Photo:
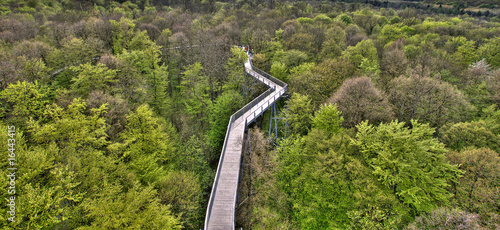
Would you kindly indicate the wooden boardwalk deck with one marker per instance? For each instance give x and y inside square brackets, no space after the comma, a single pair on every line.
[222,203]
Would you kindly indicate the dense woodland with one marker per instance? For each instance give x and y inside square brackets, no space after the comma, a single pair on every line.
[121,108]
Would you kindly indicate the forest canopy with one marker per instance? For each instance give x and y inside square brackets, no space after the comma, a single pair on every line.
[391,119]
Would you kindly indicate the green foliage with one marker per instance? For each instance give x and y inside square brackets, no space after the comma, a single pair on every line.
[91,78]
[157,164]
[304,20]
[195,87]
[28,99]
[492,118]
[369,68]
[71,128]
[36,70]
[146,145]
[122,33]
[158,81]
[331,49]
[345,19]
[333,73]
[182,191]
[466,54]
[74,51]
[487,50]
[363,50]
[280,71]
[235,67]
[43,190]
[475,133]
[391,32]
[395,20]
[478,190]
[299,113]
[322,18]
[115,208]
[145,60]
[328,118]
[290,58]
[219,113]
[140,41]
[330,188]
[408,161]
[427,99]
[303,68]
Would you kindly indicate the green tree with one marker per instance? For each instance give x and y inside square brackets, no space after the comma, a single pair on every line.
[299,113]
[27,99]
[237,78]
[431,100]
[487,50]
[44,193]
[90,78]
[137,208]
[290,58]
[147,60]
[194,87]
[74,51]
[182,192]
[333,73]
[464,134]
[330,49]
[478,190]
[147,145]
[345,19]
[219,113]
[364,49]
[329,187]
[122,33]
[71,128]
[280,71]
[304,20]
[466,54]
[408,161]
[328,118]
[305,42]
[391,32]
[140,41]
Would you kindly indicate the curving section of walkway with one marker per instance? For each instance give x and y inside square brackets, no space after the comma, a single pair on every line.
[222,203]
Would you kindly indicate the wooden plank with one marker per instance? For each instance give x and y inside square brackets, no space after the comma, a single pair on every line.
[223,203]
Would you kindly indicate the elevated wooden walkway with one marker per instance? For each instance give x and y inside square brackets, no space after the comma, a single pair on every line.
[222,203]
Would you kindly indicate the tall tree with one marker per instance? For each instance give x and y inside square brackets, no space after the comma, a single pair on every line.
[27,99]
[137,208]
[431,100]
[90,78]
[408,161]
[219,113]
[147,145]
[359,100]
[478,190]
[299,114]
[71,128]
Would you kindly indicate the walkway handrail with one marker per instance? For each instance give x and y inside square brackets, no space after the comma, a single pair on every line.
[216,180]
[232,119]
[263,77]
[268,76]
